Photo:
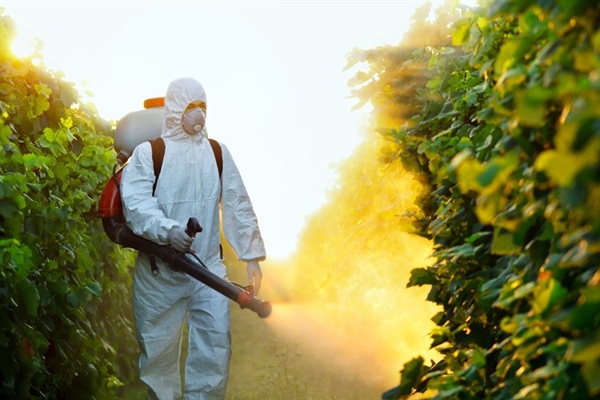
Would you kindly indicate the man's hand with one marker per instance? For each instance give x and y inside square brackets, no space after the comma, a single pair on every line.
[180,240]
[254,275]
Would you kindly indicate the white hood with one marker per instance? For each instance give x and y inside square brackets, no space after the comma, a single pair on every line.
[180,94]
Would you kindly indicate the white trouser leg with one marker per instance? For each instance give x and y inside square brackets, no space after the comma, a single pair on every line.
[159,307]
[207,364]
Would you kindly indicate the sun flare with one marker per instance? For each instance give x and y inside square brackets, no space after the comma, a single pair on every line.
[22,47]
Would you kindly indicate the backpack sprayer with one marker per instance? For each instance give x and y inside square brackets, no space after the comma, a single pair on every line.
[133,129]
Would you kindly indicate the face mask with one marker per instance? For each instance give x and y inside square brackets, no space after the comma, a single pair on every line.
[193,120]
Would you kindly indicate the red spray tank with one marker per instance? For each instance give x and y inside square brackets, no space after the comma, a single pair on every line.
[132,130]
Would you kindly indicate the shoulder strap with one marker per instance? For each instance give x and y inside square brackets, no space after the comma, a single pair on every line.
[158,153]
[216,147]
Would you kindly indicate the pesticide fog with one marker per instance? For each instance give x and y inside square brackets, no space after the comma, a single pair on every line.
[343,297]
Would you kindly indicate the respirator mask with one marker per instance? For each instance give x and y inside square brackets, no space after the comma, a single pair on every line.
[193,120]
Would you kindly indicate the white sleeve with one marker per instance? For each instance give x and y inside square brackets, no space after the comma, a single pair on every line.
[240,224]
[140,209]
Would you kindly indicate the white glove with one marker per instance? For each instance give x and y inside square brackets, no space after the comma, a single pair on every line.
[254,275]
[180,240]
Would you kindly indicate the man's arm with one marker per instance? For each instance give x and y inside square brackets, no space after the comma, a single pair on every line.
[140,208]
[240,224]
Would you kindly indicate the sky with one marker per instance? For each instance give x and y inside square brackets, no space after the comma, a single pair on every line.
[273,72]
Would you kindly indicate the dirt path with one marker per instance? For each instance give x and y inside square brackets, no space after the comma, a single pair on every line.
[345,347]
[295,355]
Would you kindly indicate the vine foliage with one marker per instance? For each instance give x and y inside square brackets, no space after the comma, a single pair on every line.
[503,122]
[65,329]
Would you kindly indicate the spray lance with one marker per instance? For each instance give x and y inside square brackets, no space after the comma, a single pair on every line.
[133,129]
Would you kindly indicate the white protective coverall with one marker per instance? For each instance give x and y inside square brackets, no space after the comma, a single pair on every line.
[188,186]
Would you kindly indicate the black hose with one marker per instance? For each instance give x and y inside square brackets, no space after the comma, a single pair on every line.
[119,233]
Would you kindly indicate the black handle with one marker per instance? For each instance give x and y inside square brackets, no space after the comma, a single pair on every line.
[193,227]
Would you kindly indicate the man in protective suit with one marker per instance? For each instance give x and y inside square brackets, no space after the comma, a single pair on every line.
[188,186]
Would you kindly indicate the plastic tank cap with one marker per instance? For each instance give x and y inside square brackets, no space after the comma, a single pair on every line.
[154,102]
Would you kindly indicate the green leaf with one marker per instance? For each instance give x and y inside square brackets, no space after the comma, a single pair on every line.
[512,292]
[584,350]
[41,104]
[559,166]
[531,106]
[585,61]
[512,52]
[461,32]
[94,288]
[468,170]
[474,237]
[503,243]
[32,161]
[421,276]
[487,175]
[5,132]
[450,393]
[488,207]
[16,256]
[8,209]
[28,293]
[409,377]
[511,78]
[75,297]
[464,250]
[591,373]
[527,391]
[547,293]
[478,357]
[588,308]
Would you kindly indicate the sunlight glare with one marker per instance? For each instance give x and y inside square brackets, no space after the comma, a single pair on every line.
[22,47]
